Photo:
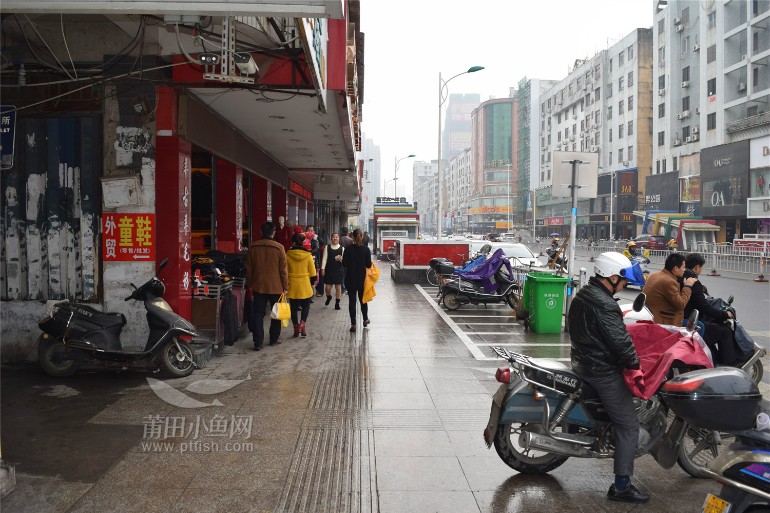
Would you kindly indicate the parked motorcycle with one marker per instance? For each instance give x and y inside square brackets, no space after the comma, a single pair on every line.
[543,414]
[441,269]
[728,400]
[491,281]
[77,335]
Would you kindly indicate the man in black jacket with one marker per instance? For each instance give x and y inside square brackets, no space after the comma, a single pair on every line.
[601,349]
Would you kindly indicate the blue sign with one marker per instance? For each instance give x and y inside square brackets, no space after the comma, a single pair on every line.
[7,135]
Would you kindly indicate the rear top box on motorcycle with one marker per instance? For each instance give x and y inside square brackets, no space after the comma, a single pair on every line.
[724,399]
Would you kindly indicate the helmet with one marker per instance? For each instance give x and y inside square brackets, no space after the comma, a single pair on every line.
[610,263]
[555,240]
[631,244]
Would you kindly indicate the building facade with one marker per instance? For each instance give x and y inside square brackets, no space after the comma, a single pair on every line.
[425,194]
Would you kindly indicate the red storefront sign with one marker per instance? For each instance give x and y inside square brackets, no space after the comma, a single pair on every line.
[300,190]
[128,237]
[553,221]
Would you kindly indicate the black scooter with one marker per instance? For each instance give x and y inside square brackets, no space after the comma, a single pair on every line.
[76,335]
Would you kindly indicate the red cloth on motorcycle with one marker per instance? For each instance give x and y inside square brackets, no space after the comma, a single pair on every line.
[658,348]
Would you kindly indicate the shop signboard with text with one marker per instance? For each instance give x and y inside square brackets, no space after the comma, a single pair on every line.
[724,180]
[128,237]
[662,192]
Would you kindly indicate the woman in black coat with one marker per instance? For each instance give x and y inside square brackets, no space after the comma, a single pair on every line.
[356,260]
[717,335]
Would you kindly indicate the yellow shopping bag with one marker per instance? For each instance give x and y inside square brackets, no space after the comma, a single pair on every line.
[281,310]
[372,275]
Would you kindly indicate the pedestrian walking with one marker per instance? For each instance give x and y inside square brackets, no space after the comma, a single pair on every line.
[332,270]
[301,272]
[268,278]
[345,241]
[356,259]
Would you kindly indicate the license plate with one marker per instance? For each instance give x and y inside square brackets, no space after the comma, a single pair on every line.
[714,504]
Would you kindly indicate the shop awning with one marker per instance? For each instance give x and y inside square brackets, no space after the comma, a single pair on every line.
[700,227]
[397,220]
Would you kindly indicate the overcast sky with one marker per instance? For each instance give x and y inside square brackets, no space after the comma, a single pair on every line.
[408,42]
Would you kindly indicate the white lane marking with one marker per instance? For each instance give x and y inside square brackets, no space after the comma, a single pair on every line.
[489,323]
[516,344]
[475,351]
[501,333]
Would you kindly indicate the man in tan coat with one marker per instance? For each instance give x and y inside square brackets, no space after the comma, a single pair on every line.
[665,298]
[268,277]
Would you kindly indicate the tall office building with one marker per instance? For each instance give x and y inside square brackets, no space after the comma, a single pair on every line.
[425,193]
[456,135]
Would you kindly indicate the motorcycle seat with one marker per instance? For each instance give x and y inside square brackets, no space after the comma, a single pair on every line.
[92,315]
[551,365]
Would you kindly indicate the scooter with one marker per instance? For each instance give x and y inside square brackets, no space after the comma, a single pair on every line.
[76,335]
[543,414]
[727,400]
[488,282]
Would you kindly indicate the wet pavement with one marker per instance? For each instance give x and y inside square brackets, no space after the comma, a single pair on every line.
[388,419]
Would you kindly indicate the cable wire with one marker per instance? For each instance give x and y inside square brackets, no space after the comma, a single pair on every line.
[66,46]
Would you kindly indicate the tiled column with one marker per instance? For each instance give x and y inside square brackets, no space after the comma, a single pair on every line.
[229,214]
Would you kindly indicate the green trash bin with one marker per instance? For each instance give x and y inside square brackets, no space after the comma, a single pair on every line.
[544,300]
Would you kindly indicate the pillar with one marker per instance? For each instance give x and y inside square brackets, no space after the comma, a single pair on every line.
[279,203]
[259,214]
[292,217]
[172,207]
[229,212]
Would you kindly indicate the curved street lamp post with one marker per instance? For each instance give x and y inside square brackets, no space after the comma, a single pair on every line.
[442,87]
[395,173]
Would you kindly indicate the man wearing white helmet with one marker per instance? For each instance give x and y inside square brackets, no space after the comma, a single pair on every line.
[601,349]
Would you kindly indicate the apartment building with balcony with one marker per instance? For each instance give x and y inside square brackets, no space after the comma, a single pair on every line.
[425,194]
[458,184]
[711,124]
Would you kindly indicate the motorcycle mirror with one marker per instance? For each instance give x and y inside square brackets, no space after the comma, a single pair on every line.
[730,299]
[639,302]
[692,321]
[162,264]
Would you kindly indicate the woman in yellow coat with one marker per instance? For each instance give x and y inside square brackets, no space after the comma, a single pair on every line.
[301,270]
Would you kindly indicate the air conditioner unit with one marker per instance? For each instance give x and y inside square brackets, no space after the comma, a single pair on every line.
[677,142]
[662,63]
[687,139]
[741,87]
[695,47]
[679,116]
[694,137]
[625,163]
[686,83]
[679,28]
[743,57]
[694,129]
[685,114]
[697,110]
[677,20]
[661,92]
[594,149]
[574,116]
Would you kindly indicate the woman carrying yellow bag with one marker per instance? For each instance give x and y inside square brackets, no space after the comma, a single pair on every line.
[281,311]
[372,275]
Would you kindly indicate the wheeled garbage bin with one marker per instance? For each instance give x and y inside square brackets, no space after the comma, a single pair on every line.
[544,300]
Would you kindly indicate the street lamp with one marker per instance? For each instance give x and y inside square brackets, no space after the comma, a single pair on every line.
[442,86]
[612,194]
[509,196]
[395,173]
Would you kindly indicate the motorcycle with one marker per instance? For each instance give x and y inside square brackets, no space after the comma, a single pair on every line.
[440,269]
[728,400]
[543,413]
[76,335]
[491,281]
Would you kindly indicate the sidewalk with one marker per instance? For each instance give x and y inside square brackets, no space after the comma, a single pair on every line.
[387,419]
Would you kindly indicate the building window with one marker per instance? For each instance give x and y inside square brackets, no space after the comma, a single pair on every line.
[657,167]
[711,121]
[610,134]
[661,25]
[620,156]
[610,158]
[673,163]
[609,89]
[558,117]
[630,104]
[621,103]
[597,94]
[686,16]
[620,83]
[661,138]
[686,132]
[712,19]
[610,64]
[630,52]
[661,110]
[620,131]
[558,136]
[662,82]
[630,153]
[630,128]
[711,86]
[711,53]
[686,74]
[631,79]
[663,167]
[621,59]
[609,112]
[686,103]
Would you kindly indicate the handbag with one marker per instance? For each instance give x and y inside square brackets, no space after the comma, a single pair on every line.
[281,310]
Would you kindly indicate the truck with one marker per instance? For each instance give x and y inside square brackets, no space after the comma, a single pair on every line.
[394,219]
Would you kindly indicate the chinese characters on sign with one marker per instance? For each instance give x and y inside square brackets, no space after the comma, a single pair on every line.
[128,237]
[7,135]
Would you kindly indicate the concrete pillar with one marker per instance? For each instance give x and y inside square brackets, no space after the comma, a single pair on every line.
[259,214]
[292,217]
[229,213]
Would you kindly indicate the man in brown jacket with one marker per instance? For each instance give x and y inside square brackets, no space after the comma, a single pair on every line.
[268,277]
[665,298]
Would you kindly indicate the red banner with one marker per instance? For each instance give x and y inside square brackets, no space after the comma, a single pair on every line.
[300,190]
[128,237]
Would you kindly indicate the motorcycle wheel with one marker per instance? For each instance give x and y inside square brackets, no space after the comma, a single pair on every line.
[174,363]
[526,461]
[699,448]
[451,302]
[756,371]
[431,276]
[51,360]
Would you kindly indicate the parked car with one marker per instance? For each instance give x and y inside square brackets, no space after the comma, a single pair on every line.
[651,242]
[519,254]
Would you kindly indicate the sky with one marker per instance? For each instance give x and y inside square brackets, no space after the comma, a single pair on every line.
[409,42]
